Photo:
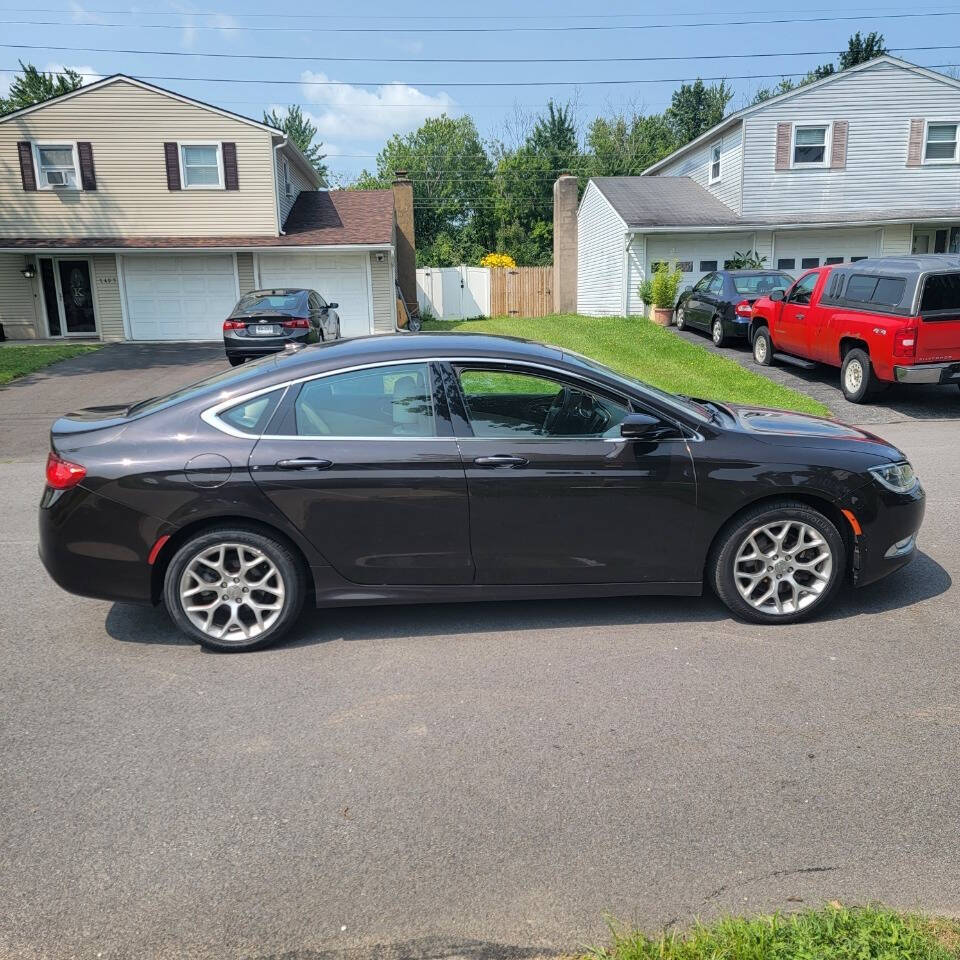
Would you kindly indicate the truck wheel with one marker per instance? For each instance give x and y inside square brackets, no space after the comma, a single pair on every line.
[857,379]
[762,347]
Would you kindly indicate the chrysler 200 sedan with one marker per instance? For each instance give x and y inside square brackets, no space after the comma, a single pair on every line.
[398,469]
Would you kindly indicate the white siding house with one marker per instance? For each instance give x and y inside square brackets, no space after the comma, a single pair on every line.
[862,163]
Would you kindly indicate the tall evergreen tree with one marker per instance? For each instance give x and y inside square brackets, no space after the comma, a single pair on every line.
[32,86]
[302,132]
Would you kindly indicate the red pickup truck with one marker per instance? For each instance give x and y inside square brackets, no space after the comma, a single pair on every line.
[882,321]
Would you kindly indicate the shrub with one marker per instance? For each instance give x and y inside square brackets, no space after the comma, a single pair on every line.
[498,260]
[665,285]
[645,290]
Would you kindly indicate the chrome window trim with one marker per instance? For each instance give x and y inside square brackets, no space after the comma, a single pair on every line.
[211,418]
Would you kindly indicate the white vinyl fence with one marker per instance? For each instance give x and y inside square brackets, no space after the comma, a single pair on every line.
[451,293]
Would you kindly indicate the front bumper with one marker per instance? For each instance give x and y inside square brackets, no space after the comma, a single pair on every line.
[886,519]
[928,373]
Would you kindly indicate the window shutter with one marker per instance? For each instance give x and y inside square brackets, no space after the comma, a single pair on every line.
[230,178]
[88,175]
[915,146]
[27,176]
[784,136]
[172,160]
[838,148]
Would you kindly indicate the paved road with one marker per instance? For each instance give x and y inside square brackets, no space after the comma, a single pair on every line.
[478,780]
[900,402]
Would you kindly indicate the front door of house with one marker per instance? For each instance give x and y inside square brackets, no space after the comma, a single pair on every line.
[68,296]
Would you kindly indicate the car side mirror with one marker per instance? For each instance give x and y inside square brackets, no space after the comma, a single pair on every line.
[332,306]
[686,289]
[635,425]
[777,294]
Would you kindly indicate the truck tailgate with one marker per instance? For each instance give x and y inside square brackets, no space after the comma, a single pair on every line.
[938,338]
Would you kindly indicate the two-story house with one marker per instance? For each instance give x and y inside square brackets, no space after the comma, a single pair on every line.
[861,163]
[131,212]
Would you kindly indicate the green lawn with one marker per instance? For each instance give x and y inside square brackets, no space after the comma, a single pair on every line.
[832,933]
[17,361]
[641,349]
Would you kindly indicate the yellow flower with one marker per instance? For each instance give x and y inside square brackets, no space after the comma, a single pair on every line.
[498,260]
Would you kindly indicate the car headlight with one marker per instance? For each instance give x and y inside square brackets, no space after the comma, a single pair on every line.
[898,477]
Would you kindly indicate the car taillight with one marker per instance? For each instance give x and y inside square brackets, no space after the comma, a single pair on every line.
[905,342]
[300,323]
[744,308]
[62,474]
[233,324]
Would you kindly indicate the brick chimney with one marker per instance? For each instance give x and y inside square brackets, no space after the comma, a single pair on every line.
[406,244]
[565,244]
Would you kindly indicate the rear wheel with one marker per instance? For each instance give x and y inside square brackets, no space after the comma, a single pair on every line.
[716,333]
[778,563]
[233,589]
[680,320]
[235,361]
[762,347]
[857,379]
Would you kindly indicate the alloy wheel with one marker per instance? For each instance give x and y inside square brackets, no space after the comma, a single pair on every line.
[783,567]
[717,332]
[232,592]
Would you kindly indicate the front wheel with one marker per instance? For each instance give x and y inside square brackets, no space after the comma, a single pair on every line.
[778,563]
[233,589]
[762,347]
[717,334]
[857,379]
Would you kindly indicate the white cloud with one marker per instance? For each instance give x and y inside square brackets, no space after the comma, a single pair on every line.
[222,21]
[354,113]
[79,15]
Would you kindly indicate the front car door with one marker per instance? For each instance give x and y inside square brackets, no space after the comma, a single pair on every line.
[791,333]
[556,494]
[364,463]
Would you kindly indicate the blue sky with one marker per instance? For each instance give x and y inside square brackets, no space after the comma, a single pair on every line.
[358,104]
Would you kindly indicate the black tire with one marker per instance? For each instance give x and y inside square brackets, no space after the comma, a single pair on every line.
[679,319]
[416,325]
[717,334]
[857,379]
[762,347]
[723,556]
[292,583]
[235,361]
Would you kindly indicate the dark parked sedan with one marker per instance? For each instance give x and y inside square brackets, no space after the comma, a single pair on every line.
[267,321]
[401,469]
[720,303]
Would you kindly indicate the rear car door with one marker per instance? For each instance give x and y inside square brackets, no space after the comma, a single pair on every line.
[695,307]
[792,327]
[364,463]
[556,494]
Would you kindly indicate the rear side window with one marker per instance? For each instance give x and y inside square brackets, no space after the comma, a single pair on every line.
[887,291]
[251,416]
[941,292]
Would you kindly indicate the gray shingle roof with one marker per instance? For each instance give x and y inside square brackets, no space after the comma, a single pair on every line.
[665,202]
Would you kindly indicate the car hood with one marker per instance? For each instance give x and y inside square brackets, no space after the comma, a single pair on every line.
[804,430]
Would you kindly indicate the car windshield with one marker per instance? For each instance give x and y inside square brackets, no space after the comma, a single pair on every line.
[760,283]
[681,404]
[228,381]
[279,302]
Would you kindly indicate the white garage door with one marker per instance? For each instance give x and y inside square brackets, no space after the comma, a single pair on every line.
[800,250]
[179,297]
[340,278]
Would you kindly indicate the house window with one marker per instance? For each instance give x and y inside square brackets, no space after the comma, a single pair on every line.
[810,145]
[831,260]
[715,161]
[708,266]
[685,266]
[286,179]
[787,263]
[808,263]
[57,167]
[941,143]
[858,259]
[201,166]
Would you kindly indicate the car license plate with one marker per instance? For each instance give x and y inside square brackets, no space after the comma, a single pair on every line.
[266,330]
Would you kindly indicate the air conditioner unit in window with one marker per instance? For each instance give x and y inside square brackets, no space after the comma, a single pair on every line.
[56,178]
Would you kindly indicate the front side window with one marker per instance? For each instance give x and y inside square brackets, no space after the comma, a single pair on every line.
[941,145]
[522,405]
[803,289]
[715,162]
[201,165]
[391,401]
[810,146]
[57,167]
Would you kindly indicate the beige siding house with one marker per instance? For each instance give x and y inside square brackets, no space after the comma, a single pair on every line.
[132,212]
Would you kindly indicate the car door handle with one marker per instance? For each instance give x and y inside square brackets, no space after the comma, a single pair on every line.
[304,463]
[501,460]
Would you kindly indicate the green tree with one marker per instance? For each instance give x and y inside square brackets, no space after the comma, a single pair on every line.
[695,108]
[32,86]
[622,147]
[452,175]
[861,49]
[302,132]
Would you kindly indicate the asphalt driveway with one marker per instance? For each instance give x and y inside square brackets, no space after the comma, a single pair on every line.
[469,780]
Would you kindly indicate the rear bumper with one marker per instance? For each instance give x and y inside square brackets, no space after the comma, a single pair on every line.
[737,327]
[247,346]
[928,373]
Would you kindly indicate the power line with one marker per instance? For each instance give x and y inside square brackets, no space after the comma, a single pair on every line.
[311,59]
[497,29]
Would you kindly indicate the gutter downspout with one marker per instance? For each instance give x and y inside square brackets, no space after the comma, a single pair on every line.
[276,189]
[624,291]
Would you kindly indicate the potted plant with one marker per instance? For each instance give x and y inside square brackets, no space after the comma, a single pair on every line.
[664,287]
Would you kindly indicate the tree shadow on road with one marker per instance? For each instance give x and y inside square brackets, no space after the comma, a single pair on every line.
[922,580]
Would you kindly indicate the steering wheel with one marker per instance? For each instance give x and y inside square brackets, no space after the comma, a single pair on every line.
[562,403]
